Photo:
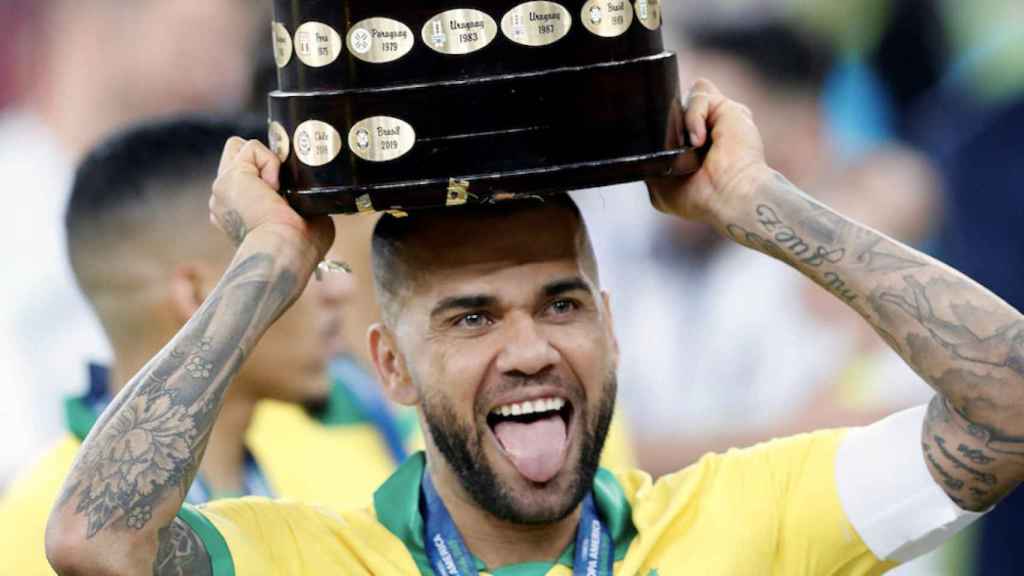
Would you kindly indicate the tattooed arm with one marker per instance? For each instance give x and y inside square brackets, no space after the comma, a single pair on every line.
[117,511]
[959,337]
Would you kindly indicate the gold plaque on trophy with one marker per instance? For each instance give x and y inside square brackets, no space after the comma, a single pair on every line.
[282,44]
[381,138]
[380,40]
[317,44]
[316,143]
[459,31]
[607,18]
[278,139]
[536,23]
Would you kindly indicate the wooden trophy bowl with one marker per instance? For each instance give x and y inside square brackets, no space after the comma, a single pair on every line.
[396,105]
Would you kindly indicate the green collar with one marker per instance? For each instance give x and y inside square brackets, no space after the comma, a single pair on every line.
[345,408]
[342,407]
[79,417]
[397,505]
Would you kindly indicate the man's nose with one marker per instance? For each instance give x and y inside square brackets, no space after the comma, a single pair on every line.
[526,350]
[336,287]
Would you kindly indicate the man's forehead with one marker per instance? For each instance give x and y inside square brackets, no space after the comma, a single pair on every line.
[495,239]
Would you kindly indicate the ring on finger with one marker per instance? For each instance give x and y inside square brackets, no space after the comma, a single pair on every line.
[330,266]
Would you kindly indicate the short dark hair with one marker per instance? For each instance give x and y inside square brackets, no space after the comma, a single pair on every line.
[135,172]
[779,53]
[391,235]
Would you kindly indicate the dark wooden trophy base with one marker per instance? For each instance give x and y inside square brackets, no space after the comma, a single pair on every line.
[503,121]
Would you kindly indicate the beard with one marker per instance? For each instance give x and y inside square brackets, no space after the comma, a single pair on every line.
[463,451]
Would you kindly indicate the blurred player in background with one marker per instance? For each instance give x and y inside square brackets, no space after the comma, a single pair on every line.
[92,66]
[146,256]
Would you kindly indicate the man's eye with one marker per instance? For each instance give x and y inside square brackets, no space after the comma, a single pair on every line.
[474,320]
[562,307]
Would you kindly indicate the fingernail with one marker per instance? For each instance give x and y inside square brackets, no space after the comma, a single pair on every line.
[693,138]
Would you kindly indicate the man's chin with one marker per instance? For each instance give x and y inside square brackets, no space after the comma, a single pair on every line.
[544,506]
[531,502]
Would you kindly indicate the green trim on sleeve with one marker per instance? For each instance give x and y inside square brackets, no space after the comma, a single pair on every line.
[216,547]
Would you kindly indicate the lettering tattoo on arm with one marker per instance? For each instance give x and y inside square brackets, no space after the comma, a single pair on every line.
[963,340]
[141,457]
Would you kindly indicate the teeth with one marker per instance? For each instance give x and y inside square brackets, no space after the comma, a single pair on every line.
[530,407]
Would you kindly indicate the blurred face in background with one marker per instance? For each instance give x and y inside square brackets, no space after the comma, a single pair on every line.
[186,54]
[99,65]
[790,122]
[290,362]
[359,310]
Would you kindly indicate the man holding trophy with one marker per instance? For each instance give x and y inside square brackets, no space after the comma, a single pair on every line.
[496,329]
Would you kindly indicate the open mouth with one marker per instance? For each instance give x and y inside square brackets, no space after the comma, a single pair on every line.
[533,434]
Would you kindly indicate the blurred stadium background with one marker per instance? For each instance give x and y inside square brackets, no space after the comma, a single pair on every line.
[904,113]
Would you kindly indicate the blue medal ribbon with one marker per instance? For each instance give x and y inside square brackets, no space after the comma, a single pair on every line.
[449,556]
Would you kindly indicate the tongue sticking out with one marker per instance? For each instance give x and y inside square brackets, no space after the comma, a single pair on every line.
[536,449]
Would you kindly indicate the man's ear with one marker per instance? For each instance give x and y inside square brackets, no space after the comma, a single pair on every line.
[607,300]
[187,291]
[392,372]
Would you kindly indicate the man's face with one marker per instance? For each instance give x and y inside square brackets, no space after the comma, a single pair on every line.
[208,44]
[290,362]
[508,342]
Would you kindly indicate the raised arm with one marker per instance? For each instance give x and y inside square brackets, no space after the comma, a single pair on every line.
[959,337]
[116,514]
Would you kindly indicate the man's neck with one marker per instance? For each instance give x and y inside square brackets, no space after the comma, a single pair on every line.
[223,465]
[496,542]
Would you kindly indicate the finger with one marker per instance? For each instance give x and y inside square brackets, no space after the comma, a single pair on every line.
[654,193]
[702,98]
[231,149]
[254,154]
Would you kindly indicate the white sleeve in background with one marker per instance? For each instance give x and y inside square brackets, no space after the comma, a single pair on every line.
[889,495]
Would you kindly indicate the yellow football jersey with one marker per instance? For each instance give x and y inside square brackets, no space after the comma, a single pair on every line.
[770,509]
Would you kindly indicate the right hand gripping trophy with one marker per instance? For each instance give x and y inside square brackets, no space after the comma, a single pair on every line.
[393,105]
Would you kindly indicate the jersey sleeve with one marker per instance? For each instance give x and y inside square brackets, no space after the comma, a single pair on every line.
[233,538]
[814,533]
[888,494]
[773,508]
[257,536]
[261,537]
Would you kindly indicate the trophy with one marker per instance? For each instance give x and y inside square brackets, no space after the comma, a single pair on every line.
[394,105]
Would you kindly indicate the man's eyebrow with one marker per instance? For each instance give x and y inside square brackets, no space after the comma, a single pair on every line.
[559,287]
[470,302]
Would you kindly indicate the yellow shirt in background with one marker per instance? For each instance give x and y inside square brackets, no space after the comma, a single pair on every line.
[336,462]
[770,509]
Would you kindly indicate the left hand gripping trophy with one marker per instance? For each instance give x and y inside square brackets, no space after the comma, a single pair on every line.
[393,105]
